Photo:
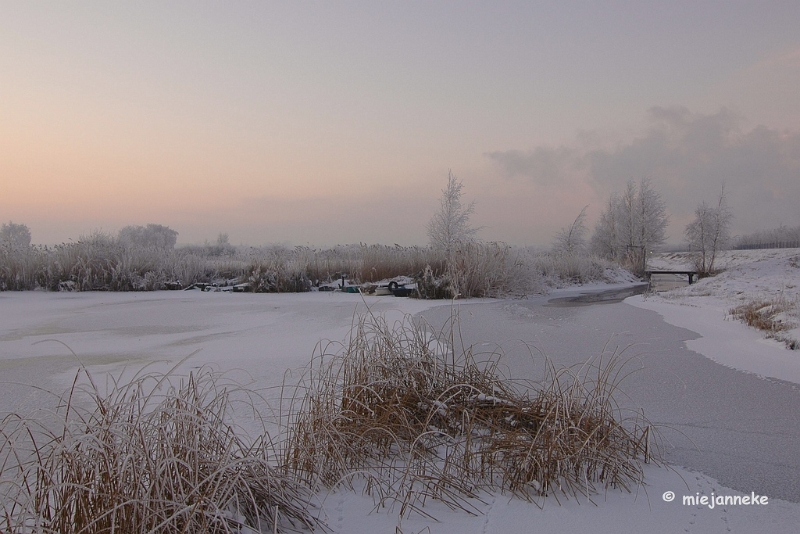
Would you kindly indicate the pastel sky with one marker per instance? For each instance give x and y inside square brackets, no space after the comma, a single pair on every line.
[337,122]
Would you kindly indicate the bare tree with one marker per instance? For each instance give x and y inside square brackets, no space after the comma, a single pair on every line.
[15,235]
[450,225]
[632,224]
[652,216]
[605,241]
[571,240]
[627,207]
[709,232]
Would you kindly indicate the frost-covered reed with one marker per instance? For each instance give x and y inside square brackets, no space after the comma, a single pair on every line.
[399,412]
[156,454]
[100,262]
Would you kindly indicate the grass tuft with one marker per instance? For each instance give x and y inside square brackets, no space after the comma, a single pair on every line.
[396,408]
[773,316]
[151,456]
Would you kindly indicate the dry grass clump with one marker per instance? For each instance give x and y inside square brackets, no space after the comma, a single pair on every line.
[771,316]
[18,267]
[276,269]
[419,422]
[559,268]
[478,269]
[491,270]
[762,314]
[151,456]
[367,263]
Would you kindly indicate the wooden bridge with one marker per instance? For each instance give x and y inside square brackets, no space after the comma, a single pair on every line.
[690,274]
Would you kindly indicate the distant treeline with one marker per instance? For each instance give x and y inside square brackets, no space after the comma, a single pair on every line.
[781,237]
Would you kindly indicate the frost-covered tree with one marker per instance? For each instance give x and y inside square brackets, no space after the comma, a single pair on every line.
[709,232]
[450,225]
[571,241]
[628,213]
[652,216]
[150,236]
[15,235]
[222,247]
[606,240]
[632,224]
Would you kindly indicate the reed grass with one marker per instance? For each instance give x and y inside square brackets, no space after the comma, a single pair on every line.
[398,409]
[776,317]
[577,268]
[491,270]
[101,262]
[153,455]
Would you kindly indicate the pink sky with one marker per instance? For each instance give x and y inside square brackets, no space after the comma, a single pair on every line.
[318,124]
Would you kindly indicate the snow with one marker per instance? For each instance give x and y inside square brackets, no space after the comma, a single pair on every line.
[704,307]
[263,336]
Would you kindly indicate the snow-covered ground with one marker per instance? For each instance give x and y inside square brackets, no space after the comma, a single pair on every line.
[263,336]
[767,276]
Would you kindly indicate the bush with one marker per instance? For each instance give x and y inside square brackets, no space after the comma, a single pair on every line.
[490,270]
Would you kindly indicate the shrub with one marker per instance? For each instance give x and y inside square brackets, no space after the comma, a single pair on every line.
[558,268]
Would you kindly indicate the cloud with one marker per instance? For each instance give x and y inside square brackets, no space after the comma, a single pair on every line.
[544,166]
[687,156]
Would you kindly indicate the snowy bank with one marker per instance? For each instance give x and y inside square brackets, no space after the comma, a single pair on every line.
[771,275]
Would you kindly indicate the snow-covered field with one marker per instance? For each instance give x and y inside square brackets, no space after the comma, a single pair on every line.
[263,336]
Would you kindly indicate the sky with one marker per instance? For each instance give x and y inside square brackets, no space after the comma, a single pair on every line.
[317,123]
